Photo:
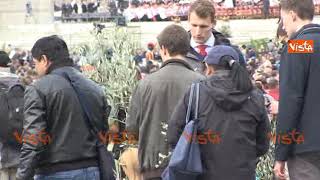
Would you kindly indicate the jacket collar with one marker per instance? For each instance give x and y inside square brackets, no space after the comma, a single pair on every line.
[305,29]
[219,39]
[180,62]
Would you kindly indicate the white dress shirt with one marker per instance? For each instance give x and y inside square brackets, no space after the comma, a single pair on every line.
[209,43]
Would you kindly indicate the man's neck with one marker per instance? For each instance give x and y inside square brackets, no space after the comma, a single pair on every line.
[174,57]
[209,41]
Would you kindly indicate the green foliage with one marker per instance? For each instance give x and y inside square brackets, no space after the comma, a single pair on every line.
[259,44]
[116,72]
[225,30]
[265,167]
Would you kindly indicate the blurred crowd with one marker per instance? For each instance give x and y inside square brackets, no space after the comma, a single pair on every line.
[166,10]
[264,67]
[163,10]
[21,64]
[67,7]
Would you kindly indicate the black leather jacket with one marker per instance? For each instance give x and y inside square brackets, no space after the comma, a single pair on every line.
[53,117]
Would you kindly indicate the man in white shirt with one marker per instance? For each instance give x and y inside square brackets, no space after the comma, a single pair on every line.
[203,36]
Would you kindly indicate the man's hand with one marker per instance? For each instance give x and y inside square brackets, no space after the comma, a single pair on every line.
[279,170]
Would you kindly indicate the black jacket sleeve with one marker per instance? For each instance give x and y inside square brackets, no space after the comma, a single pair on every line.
[263,131]
[34,123]
[294,71]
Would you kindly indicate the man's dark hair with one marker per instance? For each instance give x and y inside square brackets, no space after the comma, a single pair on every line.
[55,49]
[176,39]
[52,46]
[203,9]
[4,59]
[280,31]
[303,8]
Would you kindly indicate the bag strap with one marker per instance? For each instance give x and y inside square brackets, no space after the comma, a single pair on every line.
[190,103]
[195,88]
[197,101]
[85,110]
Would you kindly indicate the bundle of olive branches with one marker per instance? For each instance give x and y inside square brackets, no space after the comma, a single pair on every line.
[264,169]
[111,54]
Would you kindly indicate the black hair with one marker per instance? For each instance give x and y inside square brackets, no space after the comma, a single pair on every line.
[239,74]
[55,49]
[4,59]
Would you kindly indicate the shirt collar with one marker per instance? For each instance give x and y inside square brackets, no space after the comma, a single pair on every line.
[209,42]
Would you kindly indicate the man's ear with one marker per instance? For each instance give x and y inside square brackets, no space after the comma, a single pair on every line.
[293,15]
[164,50]
[45,60]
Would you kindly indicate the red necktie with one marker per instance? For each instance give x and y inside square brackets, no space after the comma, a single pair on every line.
[202,50]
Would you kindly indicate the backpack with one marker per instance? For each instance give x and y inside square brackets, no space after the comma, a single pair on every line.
[11,113]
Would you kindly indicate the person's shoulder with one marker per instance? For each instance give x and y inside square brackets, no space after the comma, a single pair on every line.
[310,30]
[4,74]
[44,81]
[8,79]
[198,76]
[220,38]
[257,96]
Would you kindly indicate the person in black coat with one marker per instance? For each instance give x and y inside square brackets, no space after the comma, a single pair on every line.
[298,119]
[233,125]
[84,6]
[54,113]
[93,6]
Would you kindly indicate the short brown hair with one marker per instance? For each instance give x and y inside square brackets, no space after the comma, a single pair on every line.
[176,39]
[303,8]
[203,9]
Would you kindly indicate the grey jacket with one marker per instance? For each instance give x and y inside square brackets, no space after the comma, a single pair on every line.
[151,107]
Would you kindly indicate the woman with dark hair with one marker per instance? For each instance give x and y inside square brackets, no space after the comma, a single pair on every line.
[282,38]
[232,121]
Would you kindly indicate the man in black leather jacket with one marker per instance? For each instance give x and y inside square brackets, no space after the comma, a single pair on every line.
[56,140]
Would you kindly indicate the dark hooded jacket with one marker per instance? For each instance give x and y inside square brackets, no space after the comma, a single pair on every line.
[232,131]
